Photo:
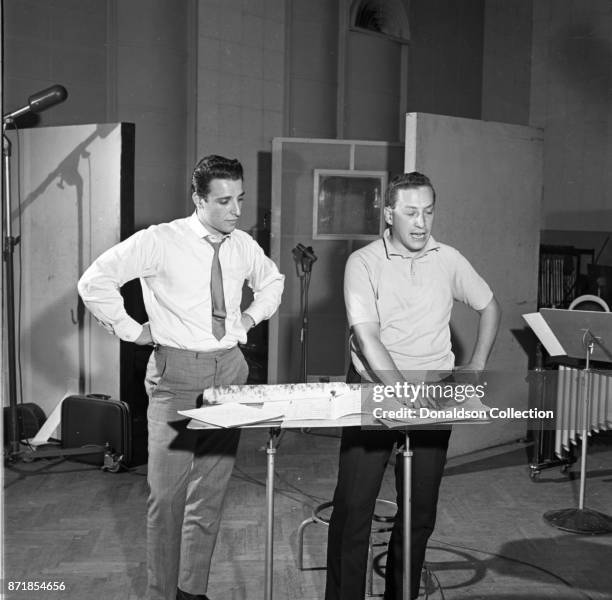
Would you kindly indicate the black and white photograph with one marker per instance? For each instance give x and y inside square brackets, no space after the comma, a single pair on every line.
[306,300]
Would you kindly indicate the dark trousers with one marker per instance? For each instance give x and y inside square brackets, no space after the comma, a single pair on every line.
[363,457]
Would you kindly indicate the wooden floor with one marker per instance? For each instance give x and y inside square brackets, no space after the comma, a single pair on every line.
[70,522]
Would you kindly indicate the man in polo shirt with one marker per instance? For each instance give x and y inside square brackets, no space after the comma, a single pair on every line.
[399,292]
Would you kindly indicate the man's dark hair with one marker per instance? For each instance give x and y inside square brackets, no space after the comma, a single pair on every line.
[214,167]
[406,181]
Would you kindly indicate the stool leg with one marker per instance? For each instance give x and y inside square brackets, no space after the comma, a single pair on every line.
[300,534]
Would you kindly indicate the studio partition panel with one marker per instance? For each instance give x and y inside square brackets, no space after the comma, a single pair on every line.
[73,197]
[297,211]
[488,180]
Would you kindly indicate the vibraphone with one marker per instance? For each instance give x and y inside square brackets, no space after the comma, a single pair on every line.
[569,409]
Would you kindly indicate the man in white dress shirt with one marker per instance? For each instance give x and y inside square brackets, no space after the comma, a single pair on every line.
[192,272]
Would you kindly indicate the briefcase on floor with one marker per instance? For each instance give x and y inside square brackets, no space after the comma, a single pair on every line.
[97,420]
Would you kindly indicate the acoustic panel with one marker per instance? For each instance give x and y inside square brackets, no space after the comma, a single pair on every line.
[488,181]
[72,199]
[294,161]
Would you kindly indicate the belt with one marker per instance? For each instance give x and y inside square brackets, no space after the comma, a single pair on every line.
[194,353]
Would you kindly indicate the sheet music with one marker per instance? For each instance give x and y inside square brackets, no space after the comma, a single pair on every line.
[233,414]
[545,335]
[347,404]
[235,406]
[257,394]
[308,408]
[331,408]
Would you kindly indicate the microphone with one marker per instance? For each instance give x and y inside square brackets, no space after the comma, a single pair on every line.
[40,101]
[47,98]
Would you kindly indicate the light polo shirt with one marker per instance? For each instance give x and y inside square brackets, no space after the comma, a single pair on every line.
[411,298]
[173,261]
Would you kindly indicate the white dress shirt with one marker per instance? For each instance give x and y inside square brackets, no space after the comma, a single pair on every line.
[173,261]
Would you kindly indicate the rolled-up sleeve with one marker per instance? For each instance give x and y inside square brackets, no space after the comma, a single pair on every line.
[99,286]
[267,284]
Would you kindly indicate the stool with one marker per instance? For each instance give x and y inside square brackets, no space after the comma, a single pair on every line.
[380,524]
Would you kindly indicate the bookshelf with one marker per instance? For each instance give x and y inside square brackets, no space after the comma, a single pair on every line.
[560,276]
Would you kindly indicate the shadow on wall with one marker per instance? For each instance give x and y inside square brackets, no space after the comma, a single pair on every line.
[67,171]
[65,176]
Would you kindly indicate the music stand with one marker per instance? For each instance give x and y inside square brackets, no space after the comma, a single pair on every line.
[577,334]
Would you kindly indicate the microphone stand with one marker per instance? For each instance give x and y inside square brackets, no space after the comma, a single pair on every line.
[36,103]
[8,251]
[304,259]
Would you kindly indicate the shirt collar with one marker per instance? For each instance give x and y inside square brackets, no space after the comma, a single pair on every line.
[390,250]
[196,226]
